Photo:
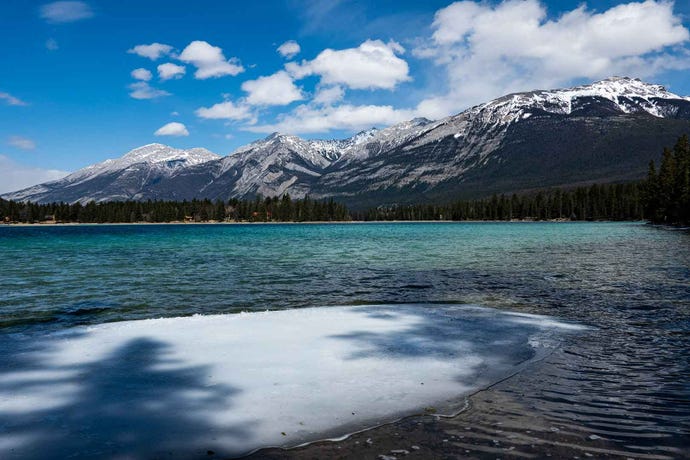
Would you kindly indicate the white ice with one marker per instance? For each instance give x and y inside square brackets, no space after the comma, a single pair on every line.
[179,387]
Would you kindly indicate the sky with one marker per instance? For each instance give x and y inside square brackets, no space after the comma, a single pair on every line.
[83,81]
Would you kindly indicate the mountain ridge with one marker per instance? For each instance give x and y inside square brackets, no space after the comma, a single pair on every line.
[616,125]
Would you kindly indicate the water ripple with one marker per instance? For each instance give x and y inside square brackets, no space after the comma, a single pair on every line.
[625,382]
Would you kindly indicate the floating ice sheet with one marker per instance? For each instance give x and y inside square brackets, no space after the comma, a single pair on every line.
[179,387]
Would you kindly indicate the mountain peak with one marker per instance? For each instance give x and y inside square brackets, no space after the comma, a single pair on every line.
[147,150]
[620,78]
[159,153]
[277,137]
[627,87]
[420,121]
[415,155]
[627,95]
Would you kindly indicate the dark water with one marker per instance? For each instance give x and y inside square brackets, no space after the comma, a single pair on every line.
[627,379]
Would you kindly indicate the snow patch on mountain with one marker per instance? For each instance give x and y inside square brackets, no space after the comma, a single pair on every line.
[628,94]
[159,156]
[480,130]
[142,163]
[418,153]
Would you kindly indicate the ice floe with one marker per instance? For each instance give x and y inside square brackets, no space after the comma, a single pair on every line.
[180,387]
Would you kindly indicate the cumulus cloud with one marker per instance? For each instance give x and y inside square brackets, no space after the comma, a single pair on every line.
[68,11]
[276,89]
[142,90]
[153,51]
[227,110]
[142,74]
[310,119]
[209,60]
[372,65]
[172,129]
[289,49]
[22,143]
[169,70]
[11,100]
[489,50]
[478,50]
[16,176]
[328,95]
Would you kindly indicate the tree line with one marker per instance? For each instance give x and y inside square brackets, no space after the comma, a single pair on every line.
[596,202]
[276,209]
[663,198]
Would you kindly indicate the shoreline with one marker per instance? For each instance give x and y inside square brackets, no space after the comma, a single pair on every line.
[463,402]
[311,222]
[459,405]
[497,422]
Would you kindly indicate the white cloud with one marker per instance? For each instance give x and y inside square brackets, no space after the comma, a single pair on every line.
[289,49]
[209,60]
[226,111]
[490,50]
[142,90]
[479,50]
[172,129]
[372,65]
[142,74]
[16,176]
[11,100]
[52,44]
[276,89]
[169,70]
[21,143]
[310,119]
[70,11]
[152,51]
[328,95]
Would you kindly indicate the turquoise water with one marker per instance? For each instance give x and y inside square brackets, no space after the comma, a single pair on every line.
[91,274]
[627,377]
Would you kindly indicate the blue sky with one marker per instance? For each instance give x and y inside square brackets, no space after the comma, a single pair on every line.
[80,80]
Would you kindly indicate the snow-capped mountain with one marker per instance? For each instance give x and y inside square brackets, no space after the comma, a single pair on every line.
[282,163]
[271,166]
[600,132]
[125,178]
[626,95]
[605,131]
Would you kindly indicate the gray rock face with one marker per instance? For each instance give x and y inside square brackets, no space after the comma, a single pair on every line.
[603,132]
[130,177]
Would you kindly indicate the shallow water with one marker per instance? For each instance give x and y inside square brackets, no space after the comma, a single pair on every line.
[626,379]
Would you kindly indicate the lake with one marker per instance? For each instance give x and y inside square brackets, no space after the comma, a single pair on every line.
[625,377]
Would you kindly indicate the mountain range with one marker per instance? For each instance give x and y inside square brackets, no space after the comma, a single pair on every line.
[607,131]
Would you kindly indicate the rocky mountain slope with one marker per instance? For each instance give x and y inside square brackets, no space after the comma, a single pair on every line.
[125,178]
[603,132]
